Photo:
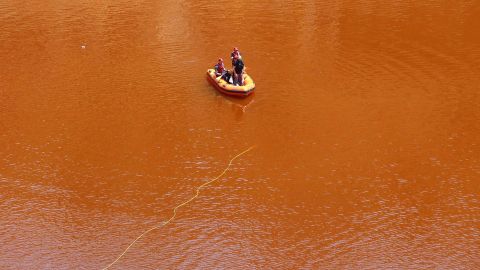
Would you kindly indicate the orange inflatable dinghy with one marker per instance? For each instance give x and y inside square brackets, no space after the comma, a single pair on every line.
[230,89]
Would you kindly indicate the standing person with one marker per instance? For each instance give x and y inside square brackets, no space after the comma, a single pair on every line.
[235,52]
[238,70]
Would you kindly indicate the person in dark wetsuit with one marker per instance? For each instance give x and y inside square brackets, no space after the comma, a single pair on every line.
[238,70]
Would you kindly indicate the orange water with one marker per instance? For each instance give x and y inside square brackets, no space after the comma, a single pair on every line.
[366,120]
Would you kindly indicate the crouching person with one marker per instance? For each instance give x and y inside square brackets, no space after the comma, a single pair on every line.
[219,68]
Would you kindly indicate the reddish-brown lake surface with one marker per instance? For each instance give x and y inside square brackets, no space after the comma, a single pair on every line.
[366,119]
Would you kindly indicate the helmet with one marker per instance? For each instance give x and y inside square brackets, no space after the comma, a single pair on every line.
[220,60]
[235,49]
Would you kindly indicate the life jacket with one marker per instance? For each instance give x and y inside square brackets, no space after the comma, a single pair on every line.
[219,68]
[235,53]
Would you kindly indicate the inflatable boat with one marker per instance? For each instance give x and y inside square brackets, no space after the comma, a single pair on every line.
[230,89]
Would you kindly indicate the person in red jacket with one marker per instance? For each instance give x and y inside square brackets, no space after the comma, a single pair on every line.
[221,72]
[236,53]
[219,68]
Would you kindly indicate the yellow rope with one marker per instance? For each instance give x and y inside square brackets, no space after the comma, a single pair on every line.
[178,206]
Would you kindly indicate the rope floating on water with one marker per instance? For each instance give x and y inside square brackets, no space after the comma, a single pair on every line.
[197,192]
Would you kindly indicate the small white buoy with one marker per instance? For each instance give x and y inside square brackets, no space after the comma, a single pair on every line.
[83,46]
